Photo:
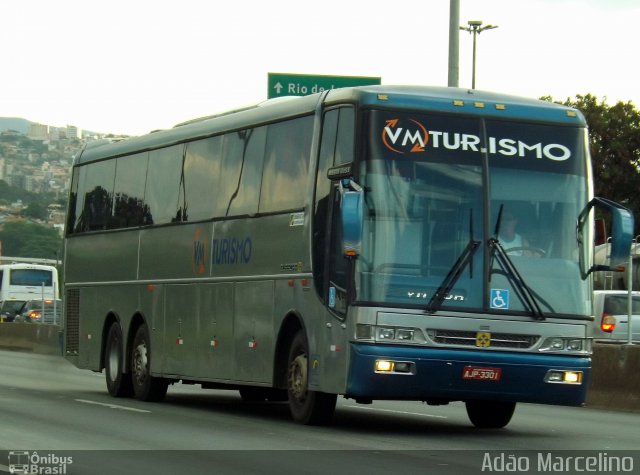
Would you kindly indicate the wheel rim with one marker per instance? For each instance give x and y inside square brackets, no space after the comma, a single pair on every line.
[298,378]
[114,361]
[140,359]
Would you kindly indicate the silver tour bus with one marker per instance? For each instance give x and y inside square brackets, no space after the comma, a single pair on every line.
[398,243]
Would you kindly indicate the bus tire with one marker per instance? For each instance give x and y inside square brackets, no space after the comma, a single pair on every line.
[118,381]
[145,386]
[306,406]
[490,414]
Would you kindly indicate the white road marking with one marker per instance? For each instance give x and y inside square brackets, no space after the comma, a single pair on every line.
[398,412]
[112,406]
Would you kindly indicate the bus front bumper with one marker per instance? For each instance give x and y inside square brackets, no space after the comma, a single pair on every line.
[437,374]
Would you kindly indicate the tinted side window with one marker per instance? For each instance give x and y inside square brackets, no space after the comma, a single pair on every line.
[246,196]
[323,186]
[201,170]
[73,212]
[95,196]
[230,169]
[163,184]
[129,208]
[338,264]
[336,148]
[286,164]
[344,146]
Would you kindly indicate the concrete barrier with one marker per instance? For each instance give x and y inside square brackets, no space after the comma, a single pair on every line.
[615,383]
[33,337]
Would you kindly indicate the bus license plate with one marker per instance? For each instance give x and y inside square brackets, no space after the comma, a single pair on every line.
[481,374]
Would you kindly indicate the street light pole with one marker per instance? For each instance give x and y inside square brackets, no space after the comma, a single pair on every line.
[454,43]
[475,28]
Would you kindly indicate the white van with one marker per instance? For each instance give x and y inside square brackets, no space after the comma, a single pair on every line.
[612,316]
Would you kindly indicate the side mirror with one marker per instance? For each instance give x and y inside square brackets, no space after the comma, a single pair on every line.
[352,212]
[621,235]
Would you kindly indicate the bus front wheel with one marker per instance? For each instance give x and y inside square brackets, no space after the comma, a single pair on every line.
[118,382]
[145,386]
[490,414]
[306,406]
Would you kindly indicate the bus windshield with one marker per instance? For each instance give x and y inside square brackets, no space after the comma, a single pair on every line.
[434,184]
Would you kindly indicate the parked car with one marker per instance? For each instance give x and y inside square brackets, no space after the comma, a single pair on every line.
[612,316]
[32,312]
[9,309]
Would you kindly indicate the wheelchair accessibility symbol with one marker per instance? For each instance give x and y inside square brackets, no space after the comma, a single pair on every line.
[499,299]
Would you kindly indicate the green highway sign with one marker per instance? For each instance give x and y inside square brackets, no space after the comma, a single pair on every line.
[283,84]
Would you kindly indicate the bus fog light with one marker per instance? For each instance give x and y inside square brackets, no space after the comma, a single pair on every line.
[563,376]
[384,366]
[402,367]
[573,377]
[554,377]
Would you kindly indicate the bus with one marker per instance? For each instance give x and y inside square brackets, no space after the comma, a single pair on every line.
[343,243]
[20,282]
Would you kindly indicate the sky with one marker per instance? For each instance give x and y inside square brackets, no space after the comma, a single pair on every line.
[132,66]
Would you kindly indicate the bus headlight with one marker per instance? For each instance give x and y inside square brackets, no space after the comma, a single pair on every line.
[404,334]
[566,345]
[388,334]
[575,345]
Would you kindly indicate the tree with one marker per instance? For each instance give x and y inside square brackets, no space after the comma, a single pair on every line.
[615,149]
[21,239]
[35,211]
[10,193]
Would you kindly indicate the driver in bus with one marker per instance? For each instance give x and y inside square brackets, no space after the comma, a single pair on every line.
[509,238]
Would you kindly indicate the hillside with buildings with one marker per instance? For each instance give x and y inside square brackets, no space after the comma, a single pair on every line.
[35,166]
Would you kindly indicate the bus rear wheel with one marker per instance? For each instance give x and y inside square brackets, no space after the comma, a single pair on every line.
[118,382]
[490,414]
[306,406]
[145,386]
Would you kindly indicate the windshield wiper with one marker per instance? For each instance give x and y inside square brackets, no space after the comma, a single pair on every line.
[455,272]
[524,292]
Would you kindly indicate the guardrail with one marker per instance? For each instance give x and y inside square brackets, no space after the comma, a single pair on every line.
[32,337]
[614,382]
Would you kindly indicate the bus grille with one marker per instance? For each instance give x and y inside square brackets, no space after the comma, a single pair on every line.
[72,321]
[469,338]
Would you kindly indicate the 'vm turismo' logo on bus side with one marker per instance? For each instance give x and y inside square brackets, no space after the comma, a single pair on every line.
[402,139]
[199,255]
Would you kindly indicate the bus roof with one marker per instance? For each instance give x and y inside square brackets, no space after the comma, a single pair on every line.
[443,99]
[459,101]
[23,265]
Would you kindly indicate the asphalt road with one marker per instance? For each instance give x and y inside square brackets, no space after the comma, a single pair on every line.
[50,408]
